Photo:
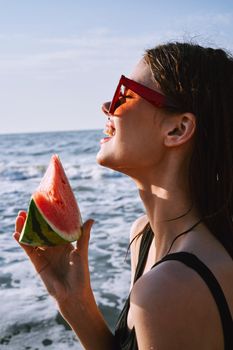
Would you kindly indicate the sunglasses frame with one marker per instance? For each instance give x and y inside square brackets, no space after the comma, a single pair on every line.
[154,97]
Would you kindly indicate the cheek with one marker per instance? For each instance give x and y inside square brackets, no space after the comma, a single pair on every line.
[139,130]
[140,145]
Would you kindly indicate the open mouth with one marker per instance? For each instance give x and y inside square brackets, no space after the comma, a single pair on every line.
[109,130]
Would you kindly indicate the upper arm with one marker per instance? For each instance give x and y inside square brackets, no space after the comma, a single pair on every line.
[166,312]
[136,228]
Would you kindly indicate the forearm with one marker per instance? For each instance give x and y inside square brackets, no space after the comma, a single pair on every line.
[88,323]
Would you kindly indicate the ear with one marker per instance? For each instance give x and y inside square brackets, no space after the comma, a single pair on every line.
[179,129]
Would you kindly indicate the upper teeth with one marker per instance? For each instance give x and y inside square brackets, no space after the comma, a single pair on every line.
[109,131]
[109,128]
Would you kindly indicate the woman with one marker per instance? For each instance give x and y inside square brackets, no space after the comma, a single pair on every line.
[169,129]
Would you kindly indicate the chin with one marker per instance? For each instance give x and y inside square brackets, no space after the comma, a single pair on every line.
[112,163]
[111,155]
[105,156]
[105,160]
[100,159]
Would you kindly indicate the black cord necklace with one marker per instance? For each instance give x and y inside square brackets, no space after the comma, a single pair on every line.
[181,234]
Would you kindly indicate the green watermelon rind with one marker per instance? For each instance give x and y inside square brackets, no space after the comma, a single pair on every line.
[37,231]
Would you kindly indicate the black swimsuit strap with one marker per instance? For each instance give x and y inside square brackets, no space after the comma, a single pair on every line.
[193,262]
[126,338]
[143,251]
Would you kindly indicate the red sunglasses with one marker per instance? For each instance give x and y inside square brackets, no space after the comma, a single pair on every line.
[156,98]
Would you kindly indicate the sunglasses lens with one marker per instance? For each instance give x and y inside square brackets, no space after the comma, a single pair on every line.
[116,100]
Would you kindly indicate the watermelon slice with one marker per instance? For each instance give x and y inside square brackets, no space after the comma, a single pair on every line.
[53,215]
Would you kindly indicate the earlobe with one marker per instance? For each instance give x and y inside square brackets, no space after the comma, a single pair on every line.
[181,129]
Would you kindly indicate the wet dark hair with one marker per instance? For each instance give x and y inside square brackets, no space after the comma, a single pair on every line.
[200,80]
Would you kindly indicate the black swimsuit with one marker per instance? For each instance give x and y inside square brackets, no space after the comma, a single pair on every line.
[126,338]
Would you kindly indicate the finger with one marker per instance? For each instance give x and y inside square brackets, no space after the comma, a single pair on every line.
[22,213]
[40,262]
[35,254]
[16,236]
[82,243]
[80,254]
[28,249]
[19,222]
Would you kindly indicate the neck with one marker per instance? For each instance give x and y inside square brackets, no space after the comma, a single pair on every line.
[169,210]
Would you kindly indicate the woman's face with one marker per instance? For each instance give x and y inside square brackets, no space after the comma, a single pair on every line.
[137,142]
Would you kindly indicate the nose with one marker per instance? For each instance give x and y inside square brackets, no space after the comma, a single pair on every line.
[105,107]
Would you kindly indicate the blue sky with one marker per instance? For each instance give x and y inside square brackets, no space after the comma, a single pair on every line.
[59,60]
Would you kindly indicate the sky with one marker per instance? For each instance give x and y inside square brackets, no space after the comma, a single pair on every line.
[61,59]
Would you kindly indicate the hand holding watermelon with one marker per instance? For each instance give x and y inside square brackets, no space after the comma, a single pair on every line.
[45,233]
[63,268]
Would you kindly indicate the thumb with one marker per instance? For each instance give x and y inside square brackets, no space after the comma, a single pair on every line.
[82,243]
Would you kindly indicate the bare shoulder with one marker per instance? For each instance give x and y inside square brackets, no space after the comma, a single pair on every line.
[161,283]
[172,298]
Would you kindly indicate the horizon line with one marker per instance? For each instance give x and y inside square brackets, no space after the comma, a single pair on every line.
[45,131]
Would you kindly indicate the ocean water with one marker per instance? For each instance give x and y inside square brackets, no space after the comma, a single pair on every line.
[29,318]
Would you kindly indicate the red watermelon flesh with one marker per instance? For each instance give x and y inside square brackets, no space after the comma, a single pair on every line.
[56,202]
